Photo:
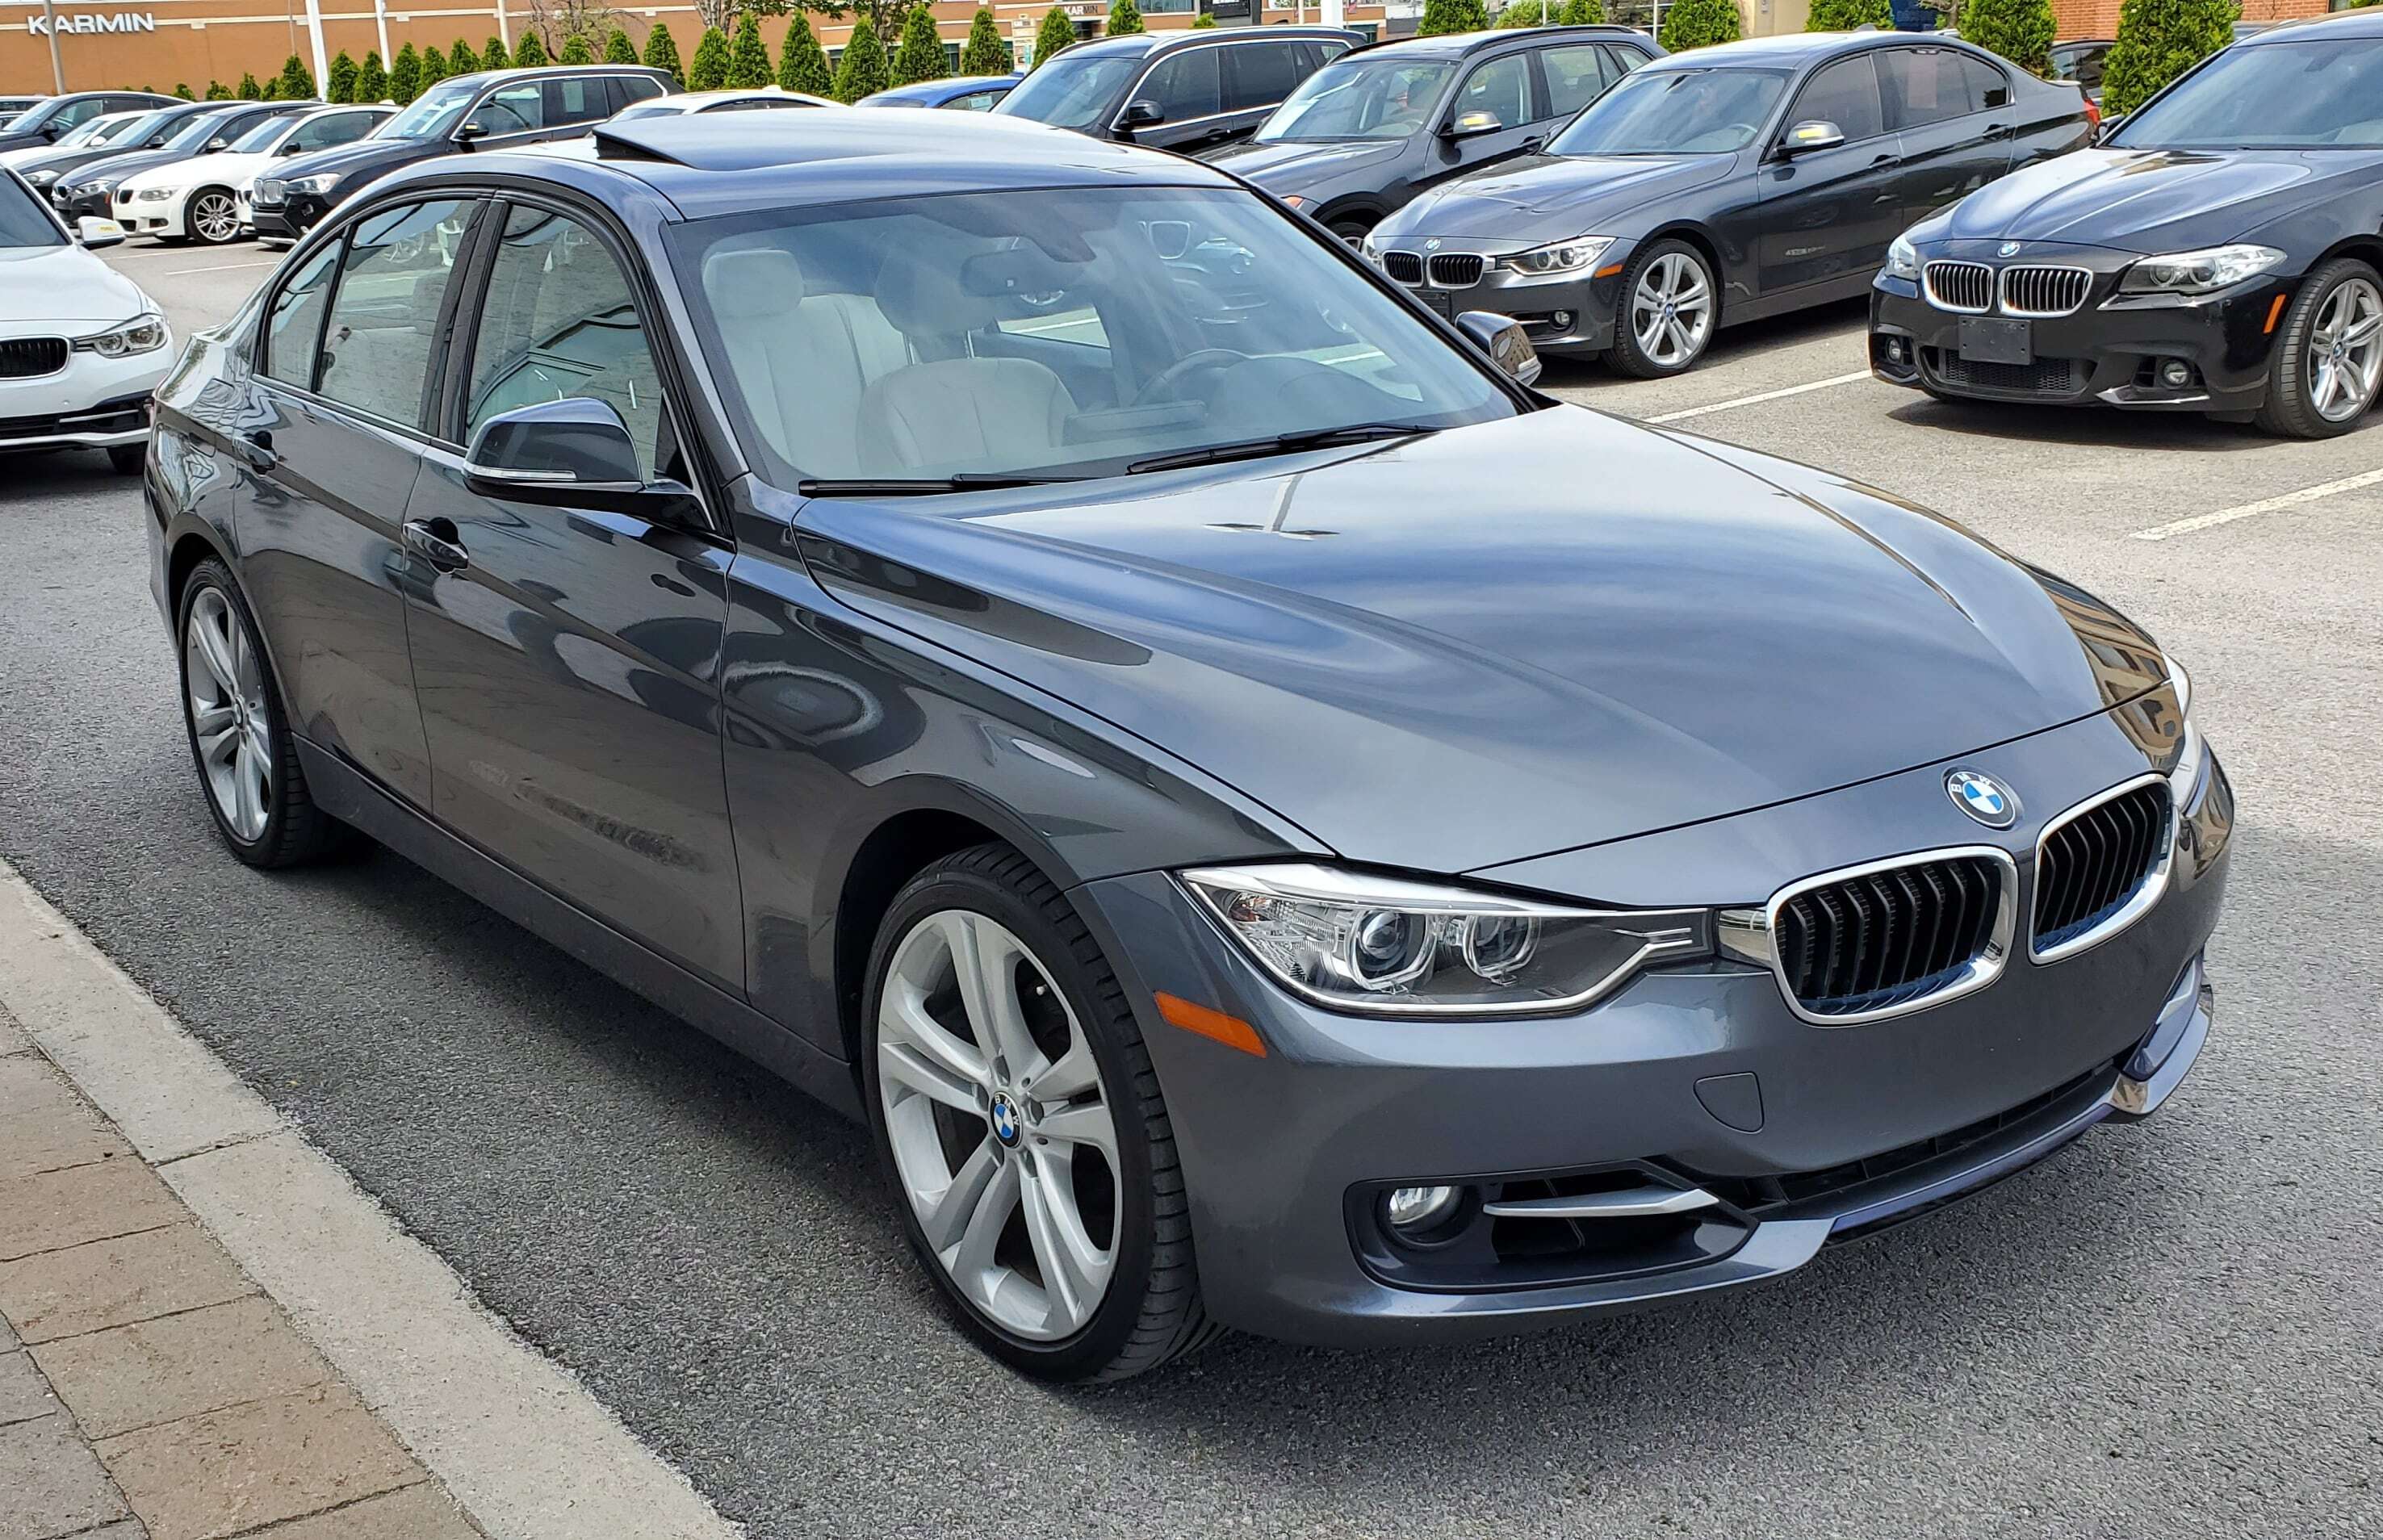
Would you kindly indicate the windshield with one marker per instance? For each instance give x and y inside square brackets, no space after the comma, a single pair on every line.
[202,127]
[1360,98]
[1062,332]
[263,137]
[433,115]
[145,128]
[23,222]
[1676,112]
[1069,94]
[2274,96]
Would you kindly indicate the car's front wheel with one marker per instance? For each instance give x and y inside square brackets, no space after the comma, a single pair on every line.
[240,739]
[2328,355]
[1018,1115]
[213,216]
[1670,306]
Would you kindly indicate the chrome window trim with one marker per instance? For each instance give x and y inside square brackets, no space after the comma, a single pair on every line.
[2001,289]
[1748,934]
[1928,286]
[2146,895]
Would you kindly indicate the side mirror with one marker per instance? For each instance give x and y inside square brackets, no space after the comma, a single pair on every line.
[572,453]
[50,131]
[1813,133]
[2109,126]
[290,150]
[1502,337]
[216,145]
[1141,114]
[466,132]
[92,234]
[1466,124]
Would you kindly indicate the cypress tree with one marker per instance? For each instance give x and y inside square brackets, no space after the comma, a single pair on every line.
[748,57]
[2159,39]
[249,90]
[862,70]
[803,66]
[406,75]
[1843,15]
[1527,13]
[272,91]
[343,79]
[2020,31]
[372,79]
[1582,13]
[1205,19]
[577,49]
[460,60]
[434,69]
[986,54]
[530,52]
[1701,23]
[1125,18]
[183,91]
[495,55]
[217,91]
[921,54]
[708,69]
[618,49]
[297,80]
[661,53]
[1452,16]
[1055,33]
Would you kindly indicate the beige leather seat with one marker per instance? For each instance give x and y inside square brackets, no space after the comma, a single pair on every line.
[804,360]
[958,412]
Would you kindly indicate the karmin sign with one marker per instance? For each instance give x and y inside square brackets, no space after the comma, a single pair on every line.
[122,22]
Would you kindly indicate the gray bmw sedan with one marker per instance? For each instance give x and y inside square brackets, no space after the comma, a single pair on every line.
[1273,822]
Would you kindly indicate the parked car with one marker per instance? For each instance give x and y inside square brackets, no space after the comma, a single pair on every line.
[49,120]
[1273,822]
[959,93]
[33,162]
[90,191]
[1182,90]
[16,106]
[45,168]
[494,109]
[2216,252]
[81,345]
[761,98]
[1368,131]
[1725,185]
[2082,60]
[197,199]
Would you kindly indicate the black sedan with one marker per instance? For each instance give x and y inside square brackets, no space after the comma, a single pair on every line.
[2216,252]
[1725,185]
[1182,750]
[1374,127]
[88,192]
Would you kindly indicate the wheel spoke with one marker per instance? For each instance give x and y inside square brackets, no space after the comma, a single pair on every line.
[1088,1125]
[971,1256]
[945,1216]
[215,651]
[1071,1074]
[908,1067]
[248,814]
[1073,1268]
[983,959]
[209,719]
[2363,331]
[903,1018]
[217,749]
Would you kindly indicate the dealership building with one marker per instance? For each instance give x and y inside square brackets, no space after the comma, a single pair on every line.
[76,45]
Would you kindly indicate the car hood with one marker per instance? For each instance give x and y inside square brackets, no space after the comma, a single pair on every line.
[1498,641]
[118,168]
[43,288]
[1291,167]
[365,154]
[2153,200]
[223,169]
[1552,195]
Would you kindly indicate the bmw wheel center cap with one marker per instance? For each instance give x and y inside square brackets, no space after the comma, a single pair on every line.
[1004,1116]
[1982,797]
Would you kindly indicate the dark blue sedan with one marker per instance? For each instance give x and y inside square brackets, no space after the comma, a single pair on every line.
[961,93]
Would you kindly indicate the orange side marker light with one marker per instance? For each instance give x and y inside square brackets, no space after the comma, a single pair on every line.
[1609,271]
[2275,313]
[1209,1022]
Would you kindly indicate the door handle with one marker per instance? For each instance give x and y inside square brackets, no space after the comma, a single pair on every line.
[437,542]
[1886,160]
[1998,130]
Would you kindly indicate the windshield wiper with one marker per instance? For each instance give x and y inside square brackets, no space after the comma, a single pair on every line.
[964,481]
[1281,443]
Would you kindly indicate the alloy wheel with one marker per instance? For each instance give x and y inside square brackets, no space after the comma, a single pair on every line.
[1001,1128]
[2345,351]
[214,218]
[1671,310]
[229,721]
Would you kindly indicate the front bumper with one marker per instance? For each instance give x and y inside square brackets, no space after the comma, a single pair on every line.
[82,203]
[91,403]
[162,218]
[2099,354]
[1569,315]
[1846,1130]
[290,219]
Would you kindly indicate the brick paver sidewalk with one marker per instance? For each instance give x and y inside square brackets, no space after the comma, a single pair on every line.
[147,1386]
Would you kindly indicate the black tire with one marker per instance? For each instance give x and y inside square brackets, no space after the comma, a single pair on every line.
[1152,1312]
[128,460]
[1352,228]
[190,216]
[1625,355]
[295,831]
[2290,411]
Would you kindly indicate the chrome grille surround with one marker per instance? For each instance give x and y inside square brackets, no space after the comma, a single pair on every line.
[2137,894]
[1964,287]
[2043,290]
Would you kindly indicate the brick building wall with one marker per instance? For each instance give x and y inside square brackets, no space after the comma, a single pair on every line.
[2100,18]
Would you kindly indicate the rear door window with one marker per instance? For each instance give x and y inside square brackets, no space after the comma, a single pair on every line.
[635,88]
[1258,75]
[576,99]
[1576,76]
[1922,86]
[1989,87]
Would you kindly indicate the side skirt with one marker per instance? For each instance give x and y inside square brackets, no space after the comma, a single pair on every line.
[348,796]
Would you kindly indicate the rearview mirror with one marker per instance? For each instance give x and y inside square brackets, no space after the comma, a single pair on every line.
[1813,133]
[574,452]
[1504,338]
[1143,114]
[92,234]
[1466,124]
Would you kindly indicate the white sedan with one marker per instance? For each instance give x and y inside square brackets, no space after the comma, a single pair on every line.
[199,199]
[81,345]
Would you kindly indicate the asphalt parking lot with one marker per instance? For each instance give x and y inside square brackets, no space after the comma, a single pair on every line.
[2168,1330]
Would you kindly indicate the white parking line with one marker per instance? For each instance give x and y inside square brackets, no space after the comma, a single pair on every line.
[2264,505]
[226,267]
[1765,396]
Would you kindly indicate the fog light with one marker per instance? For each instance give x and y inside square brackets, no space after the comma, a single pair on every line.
[1415,1212]
[2174,373]
[1562,319]
[1894,350]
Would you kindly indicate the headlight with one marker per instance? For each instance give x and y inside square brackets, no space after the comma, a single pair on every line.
[144,335]
[316,185]
[1902,259]
[1564,257]
[1370,251]
[2185,774]
[157,194]
[1393,946]
[41,179]
[2202,272]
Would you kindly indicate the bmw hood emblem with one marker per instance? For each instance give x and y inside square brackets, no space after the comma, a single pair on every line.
[2008,248]
[1982,797]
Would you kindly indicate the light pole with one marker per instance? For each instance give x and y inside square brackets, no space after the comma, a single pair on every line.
[50,25]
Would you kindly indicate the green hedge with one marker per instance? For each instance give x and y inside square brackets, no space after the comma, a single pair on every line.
[2159,40]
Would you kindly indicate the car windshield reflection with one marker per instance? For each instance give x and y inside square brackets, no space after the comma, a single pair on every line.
[1676,112]
[1376,98]
[2276,96]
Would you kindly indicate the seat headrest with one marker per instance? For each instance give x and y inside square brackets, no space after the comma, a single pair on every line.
[752,284]
[927,301]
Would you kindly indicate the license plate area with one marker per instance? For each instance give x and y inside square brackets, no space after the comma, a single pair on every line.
[1990,340]
[1440,301]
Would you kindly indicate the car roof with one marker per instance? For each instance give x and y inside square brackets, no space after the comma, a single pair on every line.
[1792,50]
[2363,23]
[1463,44]
[1183,37]
[726,163]
[543,71]
[951,84]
